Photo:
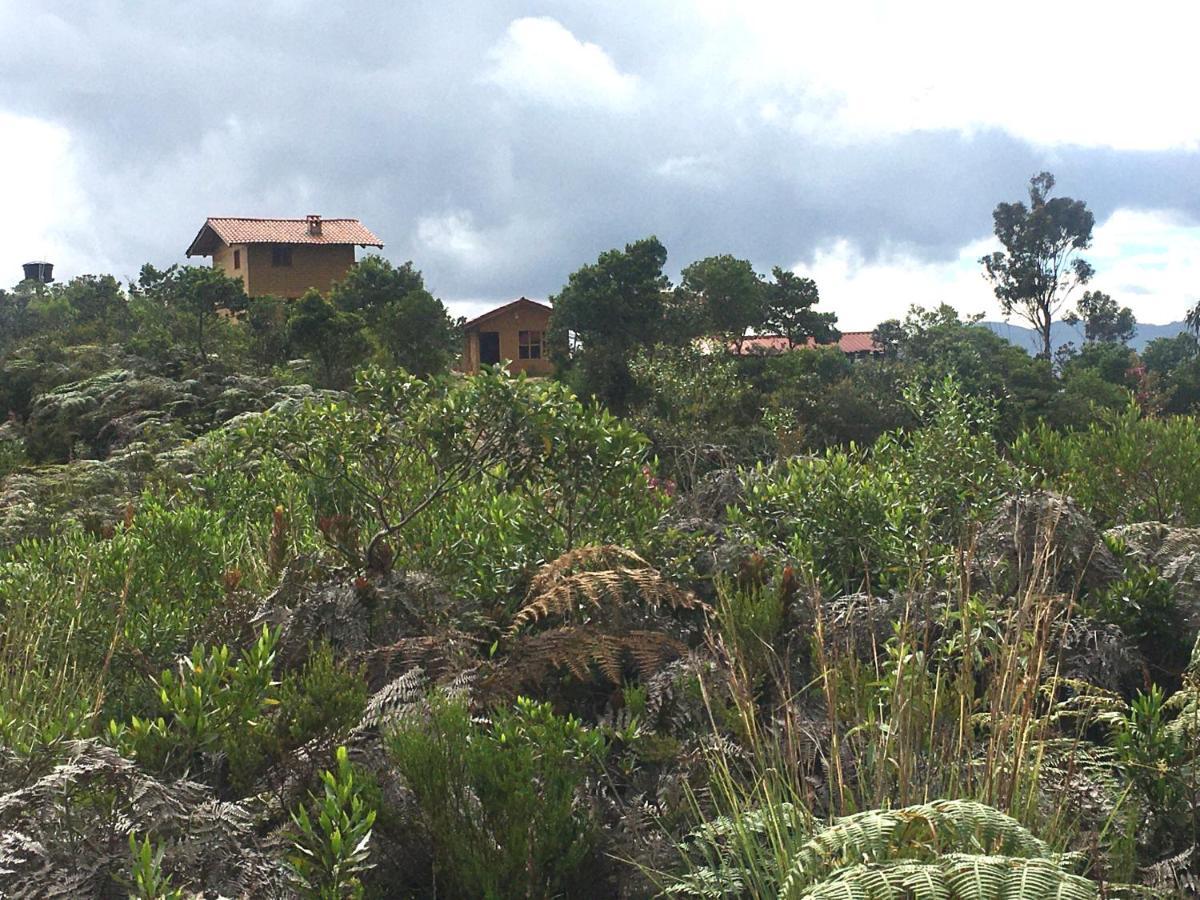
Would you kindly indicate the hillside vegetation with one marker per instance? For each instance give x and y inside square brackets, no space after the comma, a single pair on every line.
[277,621]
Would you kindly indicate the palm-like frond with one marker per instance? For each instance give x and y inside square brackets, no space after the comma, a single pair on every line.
[591,578]
[854,856]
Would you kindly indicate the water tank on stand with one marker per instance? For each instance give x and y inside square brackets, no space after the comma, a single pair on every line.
[42,272]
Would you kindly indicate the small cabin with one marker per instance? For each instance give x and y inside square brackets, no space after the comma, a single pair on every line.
[282,257]
[516,332]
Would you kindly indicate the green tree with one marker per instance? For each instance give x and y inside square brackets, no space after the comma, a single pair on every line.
[790,299]
[1111,361]
[730,293]
[610,307]
[1166,354]
[267,319]
[94,298]
[418,335]
[1040,265]
[1103,321]
[938,342]
[198,293]
[332,338]
[1173,368]
[412,328]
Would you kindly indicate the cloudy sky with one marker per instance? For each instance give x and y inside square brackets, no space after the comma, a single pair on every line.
[501,144]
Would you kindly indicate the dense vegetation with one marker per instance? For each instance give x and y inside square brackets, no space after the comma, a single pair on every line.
[286,610]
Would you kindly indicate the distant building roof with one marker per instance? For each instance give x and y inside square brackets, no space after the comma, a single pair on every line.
[309,230]
[500,310]
[849,342]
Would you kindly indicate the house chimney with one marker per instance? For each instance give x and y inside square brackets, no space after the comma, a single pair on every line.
[314,225]
[41,272]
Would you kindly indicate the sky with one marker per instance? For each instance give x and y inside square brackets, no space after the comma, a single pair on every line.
[501,145]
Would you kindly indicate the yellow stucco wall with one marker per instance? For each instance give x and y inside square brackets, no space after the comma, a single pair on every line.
[509,324]
[313,266]
[223,260]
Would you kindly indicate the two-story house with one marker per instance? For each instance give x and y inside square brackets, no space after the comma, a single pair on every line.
[282,257]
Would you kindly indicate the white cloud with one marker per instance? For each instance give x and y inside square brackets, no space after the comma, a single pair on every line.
[45,213]
[453,234]
[864,293]
[690,169]
[1089,73]
[1150,261]
[1147,260]
[541,60]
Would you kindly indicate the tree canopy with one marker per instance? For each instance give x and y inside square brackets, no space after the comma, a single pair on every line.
[330,336]
[728,291]
[1040,265]
[790,299]
[412,329]
[610,308]
[1103,320]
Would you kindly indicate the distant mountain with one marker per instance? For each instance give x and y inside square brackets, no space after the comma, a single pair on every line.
[1062,333]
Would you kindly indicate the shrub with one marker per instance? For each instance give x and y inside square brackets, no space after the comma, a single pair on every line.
[876,519]
[212,706]
[321,698]
[499,799]
[332,846]
[1124,467]
[1142,604]
[476,479]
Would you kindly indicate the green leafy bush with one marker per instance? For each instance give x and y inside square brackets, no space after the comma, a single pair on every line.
[212,706]
[321,698]
[331,845]
[842,519]
[1124,467]
[476,479]
[500,798]
[1142,604]
[877,519]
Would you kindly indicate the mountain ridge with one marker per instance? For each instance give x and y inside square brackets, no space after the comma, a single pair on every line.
[1062,333]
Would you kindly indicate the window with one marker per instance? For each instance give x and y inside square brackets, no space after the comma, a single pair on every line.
[530,344]
[281,255]
[237,259]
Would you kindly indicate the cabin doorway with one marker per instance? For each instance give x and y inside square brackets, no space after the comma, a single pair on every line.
[489,348]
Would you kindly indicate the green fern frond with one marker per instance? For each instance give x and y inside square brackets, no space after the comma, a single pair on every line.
[954,877]
[943,849]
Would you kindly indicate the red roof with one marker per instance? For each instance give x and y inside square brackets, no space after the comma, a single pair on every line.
[499,310]
[235,230]
[849,342]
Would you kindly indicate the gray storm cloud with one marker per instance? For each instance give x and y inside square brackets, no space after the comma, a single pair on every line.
[498,156]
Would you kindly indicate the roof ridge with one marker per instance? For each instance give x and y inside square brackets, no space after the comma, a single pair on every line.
[283,218]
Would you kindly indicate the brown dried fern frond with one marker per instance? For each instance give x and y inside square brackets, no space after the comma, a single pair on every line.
[597,577]
[439,655]
[587,653]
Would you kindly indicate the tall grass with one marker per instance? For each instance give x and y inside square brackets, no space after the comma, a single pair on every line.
[88,618]
[962,700]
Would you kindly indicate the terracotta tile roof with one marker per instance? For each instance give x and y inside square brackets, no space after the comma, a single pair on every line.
[520,301]
[849,342]
[858,342]
[236,230]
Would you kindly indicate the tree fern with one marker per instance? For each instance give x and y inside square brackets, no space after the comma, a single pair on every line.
[580,583]
[938,849]
[954,877]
